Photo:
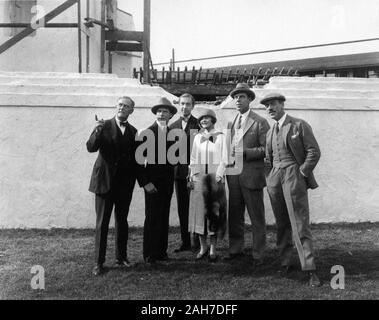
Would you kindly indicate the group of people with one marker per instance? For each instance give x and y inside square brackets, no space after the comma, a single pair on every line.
[206,159]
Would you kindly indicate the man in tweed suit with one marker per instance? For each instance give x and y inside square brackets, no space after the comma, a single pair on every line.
[293,153]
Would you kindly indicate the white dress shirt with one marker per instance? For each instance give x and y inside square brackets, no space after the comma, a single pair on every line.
[122,128]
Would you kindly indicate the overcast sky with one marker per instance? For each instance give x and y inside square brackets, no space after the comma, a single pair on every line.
[204,28]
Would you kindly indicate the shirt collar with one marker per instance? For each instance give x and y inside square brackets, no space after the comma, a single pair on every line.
[185,118]
[244,115]
[160,125]
[281,120]
[118,121]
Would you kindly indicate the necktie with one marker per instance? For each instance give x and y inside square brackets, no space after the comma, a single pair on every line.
[122,124]
[239,122]
[276,127]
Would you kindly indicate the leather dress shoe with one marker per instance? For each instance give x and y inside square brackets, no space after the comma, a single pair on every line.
[285,270]
[163,257]
[98,270]
[233,256]
[313,279]
[257,263]
[183,248]
[123,263]
[150,260]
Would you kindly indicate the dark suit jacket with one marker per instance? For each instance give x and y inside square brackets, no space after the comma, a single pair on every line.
[153,170]
[181,170]
[254,142]
[299,139]
[107,143]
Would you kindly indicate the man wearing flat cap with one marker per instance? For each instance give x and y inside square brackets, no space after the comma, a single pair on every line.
[248,139]
[293,153]
[157,179]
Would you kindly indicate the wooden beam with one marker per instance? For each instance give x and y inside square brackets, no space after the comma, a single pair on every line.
[204,90]
[102,38]
[146,39]
[120,35]
[47,25]
[125,46]
[29,30]
[79,12]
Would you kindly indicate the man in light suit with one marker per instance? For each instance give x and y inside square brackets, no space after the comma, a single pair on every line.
[189,126]
[113,179]
[293,153]
[248,139]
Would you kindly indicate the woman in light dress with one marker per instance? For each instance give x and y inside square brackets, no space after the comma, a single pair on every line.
[207,214]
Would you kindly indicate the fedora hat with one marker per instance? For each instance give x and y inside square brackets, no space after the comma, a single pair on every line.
[164,103]
[272,96]
[204,112]
[243,88]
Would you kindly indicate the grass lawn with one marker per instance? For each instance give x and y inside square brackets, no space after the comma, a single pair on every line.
[67,257]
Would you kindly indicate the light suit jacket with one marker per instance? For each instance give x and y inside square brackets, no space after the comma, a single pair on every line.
[299,139]
[252,142]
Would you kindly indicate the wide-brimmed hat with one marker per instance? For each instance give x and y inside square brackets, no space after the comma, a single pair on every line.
[243,88]
[164,103]
[272,96]
[204,112]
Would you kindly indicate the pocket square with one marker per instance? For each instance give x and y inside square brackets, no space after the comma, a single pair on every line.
[295,136]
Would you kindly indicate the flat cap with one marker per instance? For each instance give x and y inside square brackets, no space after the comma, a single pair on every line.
[272,96]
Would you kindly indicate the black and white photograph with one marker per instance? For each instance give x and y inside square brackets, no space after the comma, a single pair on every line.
[189,156]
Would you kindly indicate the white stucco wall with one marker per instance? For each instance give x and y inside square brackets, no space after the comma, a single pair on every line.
[45,167]
[56,49]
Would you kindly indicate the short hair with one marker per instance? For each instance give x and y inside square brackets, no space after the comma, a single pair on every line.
[188,95]
[128,98]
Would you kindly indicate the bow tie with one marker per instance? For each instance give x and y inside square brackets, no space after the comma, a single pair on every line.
[184,119]
[210,138]
[123,124]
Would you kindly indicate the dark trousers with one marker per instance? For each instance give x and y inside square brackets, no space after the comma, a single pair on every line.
[182,197]
[240,198]
[120,198]
[157,212]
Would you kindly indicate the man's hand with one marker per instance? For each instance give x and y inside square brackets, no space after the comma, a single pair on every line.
[219,179]
[99,124]
[150,188]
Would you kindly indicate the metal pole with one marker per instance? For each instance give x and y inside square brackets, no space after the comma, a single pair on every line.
[173,59]
[102,38]
[87,42]
[109,61]
[79,38]
[146,40]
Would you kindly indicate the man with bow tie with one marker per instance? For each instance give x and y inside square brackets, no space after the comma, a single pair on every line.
[189,127]
[157,179]
[113,179]
[248,139]
[293,153]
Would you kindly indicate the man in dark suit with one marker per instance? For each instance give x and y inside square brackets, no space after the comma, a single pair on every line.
[157,179]
[188,125]
[293,153]
[248,139]
[113,179]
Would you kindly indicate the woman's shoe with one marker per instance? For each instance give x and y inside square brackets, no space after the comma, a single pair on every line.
[213,257]
[200,255]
